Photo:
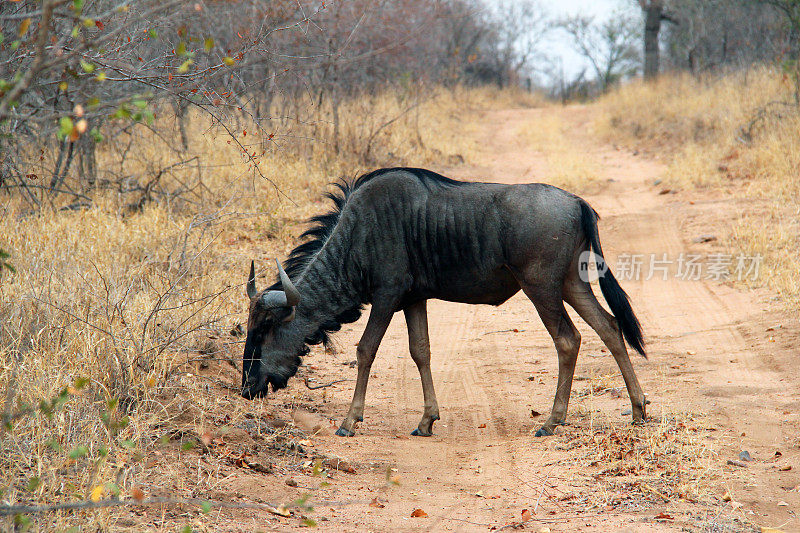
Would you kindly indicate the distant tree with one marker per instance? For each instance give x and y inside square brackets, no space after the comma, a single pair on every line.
[519,28]
[713,34]
[655,12]
[790,12]
[608,46]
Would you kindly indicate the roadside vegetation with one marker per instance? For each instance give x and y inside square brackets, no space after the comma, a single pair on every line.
[736,135]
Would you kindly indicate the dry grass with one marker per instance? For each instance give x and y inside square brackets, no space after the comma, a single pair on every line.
[670,458]
[731,135]
[110,305]
[567,166]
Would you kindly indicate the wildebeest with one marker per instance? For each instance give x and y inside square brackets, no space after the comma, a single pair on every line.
[398,237]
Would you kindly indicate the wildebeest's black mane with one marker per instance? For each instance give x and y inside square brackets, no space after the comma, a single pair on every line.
[322,226]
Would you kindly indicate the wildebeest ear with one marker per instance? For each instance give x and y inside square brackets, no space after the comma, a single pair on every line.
[251,281]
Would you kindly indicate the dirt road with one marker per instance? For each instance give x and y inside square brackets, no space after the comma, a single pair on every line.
[722,377]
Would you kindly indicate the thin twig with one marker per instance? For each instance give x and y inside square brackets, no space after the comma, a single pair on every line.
[315,387]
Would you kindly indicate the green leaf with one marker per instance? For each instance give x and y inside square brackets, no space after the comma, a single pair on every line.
[122,112]
[206,507]
[181,49]
[208,44]
[65,128]
[184,68]
[2,37]
[141,104]
[152,33]
[87,67]
[103,451]
[101,76]
[33,484]
[15,44]
[308,522]
[112,488]
[228,61]
[80,451]
[128,443]
[188,445]
[112,403]
[76,31]
[96,135]
[77,5]
[89,23]
[187,529]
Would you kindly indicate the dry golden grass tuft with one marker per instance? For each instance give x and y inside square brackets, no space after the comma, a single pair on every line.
[738,134]
[112,306]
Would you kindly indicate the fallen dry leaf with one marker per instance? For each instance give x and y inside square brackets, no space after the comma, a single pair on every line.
[97,493]
[783,504]
[280,510]
[526,515]
[726,497]
[785,468]
[535,413]
[137,494]
[664,516]
[419,513]
[482,426]
[376,503]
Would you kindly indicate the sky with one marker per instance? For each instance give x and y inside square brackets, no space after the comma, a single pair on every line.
[559,46]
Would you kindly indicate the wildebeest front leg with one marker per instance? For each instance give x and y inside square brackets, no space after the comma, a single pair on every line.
[379,318]
[420,348]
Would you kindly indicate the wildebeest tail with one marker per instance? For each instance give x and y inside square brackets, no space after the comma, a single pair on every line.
[614,294]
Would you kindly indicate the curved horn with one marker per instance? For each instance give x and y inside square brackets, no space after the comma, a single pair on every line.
[292,294]
[251,281]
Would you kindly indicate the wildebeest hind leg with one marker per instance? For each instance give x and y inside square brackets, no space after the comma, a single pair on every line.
[580,297]
[379,318]
[567,339]
[420,348]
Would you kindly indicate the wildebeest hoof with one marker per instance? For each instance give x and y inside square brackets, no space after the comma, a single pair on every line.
[342,432]
[544,432]
[638,422]
[418,433]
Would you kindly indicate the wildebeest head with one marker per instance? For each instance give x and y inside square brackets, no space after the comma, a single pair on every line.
[268,360]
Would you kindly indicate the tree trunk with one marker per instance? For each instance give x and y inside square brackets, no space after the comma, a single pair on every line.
[653,13]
